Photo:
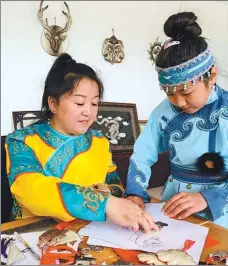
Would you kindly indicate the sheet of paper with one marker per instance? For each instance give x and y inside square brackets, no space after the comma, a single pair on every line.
[173,234]
[100,242]
[32,239]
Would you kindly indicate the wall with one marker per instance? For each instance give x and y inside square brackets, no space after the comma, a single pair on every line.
[25,63]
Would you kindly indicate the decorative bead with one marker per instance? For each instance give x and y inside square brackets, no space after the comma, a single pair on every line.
[201,78]
[208,74]
[167,89]
[194,82]
[185,86]
[189,186]
[174,89]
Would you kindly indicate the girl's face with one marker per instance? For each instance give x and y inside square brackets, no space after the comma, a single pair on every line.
[194,97]
[76,111]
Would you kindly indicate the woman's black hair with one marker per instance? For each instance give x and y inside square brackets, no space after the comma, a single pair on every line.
[62,77]
[184,28]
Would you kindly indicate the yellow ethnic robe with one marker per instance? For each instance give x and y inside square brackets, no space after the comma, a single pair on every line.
[51,174]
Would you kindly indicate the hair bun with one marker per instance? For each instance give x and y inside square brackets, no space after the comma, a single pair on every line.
[63,64]
[182,25]
[64,58]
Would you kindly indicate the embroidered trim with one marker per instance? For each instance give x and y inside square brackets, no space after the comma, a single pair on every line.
[91,198]
[187,71]
[116,190]
[16,209]
[136,172]
[187,63]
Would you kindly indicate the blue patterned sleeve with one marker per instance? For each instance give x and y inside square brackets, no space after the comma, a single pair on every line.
[146,149]
[217,201]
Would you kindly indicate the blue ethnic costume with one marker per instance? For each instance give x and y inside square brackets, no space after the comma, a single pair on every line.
[187,137]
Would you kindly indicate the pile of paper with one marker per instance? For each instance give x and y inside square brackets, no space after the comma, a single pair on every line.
[172,236]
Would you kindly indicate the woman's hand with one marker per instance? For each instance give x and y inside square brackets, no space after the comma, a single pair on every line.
[125,213]
[137,200]
[184,204]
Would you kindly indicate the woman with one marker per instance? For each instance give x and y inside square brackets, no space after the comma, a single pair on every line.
[59,167]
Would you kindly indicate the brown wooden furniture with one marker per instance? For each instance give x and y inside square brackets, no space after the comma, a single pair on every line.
[109,256]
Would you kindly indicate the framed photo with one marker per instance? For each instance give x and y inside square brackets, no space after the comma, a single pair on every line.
[119,124]
[142,124]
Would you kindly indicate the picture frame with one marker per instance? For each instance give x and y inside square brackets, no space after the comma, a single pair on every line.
[23,118]
[118,122]
[142,124]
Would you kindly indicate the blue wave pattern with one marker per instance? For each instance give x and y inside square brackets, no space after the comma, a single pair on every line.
[181,126]
[172,152]
[138,185]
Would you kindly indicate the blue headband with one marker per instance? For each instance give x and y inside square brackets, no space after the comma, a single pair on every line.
[188,71]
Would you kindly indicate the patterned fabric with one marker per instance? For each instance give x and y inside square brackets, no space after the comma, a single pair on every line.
[51,174]
[114,184]
[80,201]
[16,209]
[186,137]
[139,185]
[188,71]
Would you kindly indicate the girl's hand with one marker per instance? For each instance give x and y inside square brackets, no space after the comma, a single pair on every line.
[125,213]
[137,200]
[184,204]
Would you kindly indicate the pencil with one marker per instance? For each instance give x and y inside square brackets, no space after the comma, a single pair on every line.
[27,246]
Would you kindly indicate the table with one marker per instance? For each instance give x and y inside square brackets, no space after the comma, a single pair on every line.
[109,256]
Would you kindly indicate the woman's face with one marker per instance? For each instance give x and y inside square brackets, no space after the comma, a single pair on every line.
[76,111]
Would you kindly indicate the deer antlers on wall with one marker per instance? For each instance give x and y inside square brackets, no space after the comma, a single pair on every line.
[54,38]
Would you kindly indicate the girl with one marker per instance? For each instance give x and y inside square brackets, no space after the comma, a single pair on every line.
[192,124]
[61,168]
